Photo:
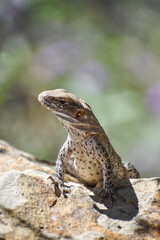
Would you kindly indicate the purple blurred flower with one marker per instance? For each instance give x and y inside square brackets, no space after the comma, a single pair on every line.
[9,10]
[153,97]
[56,59]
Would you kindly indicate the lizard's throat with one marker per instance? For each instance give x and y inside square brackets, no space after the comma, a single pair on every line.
[64,118]
[73,131]
[77,129]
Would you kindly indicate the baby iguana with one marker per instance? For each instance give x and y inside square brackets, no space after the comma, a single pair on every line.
[94,158]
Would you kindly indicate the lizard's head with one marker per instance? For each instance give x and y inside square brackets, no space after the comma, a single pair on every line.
[68,108]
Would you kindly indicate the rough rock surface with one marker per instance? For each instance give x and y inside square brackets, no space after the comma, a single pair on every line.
[30,209]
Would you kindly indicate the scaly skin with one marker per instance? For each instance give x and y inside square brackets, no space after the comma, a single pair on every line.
[94,158]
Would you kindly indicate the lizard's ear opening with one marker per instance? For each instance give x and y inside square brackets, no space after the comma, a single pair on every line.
[79,113]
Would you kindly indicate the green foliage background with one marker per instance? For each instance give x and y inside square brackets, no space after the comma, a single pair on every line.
[106,52]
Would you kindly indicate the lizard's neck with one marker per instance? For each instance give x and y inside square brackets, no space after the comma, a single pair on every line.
[78,132]
[73,132]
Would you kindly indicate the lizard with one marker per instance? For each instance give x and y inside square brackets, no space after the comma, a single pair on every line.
[87,146]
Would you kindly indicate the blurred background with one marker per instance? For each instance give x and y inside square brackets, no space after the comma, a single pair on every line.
[106,52]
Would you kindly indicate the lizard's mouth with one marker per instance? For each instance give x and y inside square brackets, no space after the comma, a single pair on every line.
[47,103]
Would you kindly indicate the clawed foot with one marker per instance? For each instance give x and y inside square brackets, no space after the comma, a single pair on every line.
[60,187]
[103,194]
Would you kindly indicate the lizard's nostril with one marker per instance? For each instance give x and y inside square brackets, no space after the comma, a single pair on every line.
[44,98]
[42,95]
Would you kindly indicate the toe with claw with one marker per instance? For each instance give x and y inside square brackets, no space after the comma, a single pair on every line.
[60,187]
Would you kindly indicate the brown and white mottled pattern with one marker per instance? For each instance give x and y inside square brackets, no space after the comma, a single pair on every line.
[94,158]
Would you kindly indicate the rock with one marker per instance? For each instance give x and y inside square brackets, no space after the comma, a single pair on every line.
[30,209]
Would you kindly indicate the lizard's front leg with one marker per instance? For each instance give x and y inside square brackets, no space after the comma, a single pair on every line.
[102,157]
[108,186]
[63,156]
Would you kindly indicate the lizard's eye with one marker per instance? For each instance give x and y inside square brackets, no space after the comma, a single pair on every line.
[62,101]
[79,113]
